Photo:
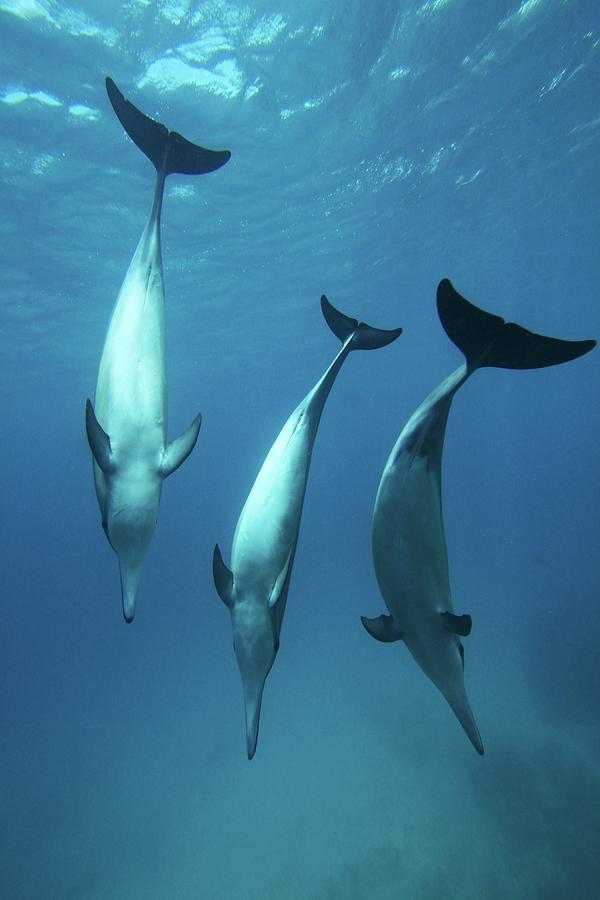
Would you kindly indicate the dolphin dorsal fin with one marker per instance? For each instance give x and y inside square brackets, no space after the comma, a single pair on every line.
[457,624]
[278,587]
[178,450]
[98,440]
[382,629]
[223,578]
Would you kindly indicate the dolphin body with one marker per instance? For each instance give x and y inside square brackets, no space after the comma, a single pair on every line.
[127,428]
[409,547]
[264,544]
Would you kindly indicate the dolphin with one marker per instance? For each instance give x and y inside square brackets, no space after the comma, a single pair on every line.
[264,544]
[126,428]
[409,547]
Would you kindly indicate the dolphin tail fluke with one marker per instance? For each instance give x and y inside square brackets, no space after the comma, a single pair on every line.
[487,340]
[160,145]
[363,336]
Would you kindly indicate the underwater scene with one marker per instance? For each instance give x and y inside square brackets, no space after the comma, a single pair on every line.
[282,619]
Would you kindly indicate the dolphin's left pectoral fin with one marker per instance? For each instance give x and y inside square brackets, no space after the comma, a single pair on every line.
[457,624]
[382,629]
[223,578]
[98,440]
[178,450]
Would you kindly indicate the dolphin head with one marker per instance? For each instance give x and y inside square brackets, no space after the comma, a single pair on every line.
[442,659]
[452,685]
[256,645]
[129,525]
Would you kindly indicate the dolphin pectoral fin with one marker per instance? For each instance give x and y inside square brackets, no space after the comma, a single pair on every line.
[382,629]
[457,624]
[223,578]
[98,440]
[178,450]
[280,582]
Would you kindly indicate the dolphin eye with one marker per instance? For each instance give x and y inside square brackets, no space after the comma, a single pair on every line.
[461,650]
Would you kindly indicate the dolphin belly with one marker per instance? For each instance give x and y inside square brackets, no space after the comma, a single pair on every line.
[409,546]
[131,387]
[268,526]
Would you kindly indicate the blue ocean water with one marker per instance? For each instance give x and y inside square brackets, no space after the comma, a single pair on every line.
[376,148]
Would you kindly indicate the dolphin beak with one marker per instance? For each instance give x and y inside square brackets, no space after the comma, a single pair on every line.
[252,700]
[128,609]
[463,712]
[474,736]
[129,585]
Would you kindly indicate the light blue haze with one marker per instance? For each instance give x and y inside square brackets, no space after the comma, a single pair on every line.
[376,148]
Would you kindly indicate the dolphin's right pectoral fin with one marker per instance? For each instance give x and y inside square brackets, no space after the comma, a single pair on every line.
[281,581]
[223,578]
[178,450]
[382,629]
[457,624]
[98,440]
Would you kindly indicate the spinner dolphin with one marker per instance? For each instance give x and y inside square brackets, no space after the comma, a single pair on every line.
[264,544]
[409,546]
[126,428]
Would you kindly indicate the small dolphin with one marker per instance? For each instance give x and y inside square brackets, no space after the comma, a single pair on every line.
[264,543]
[127,429]
[409,547]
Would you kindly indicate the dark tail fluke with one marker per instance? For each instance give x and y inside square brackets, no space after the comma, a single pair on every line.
[487,340]
[363,336]
[156,141]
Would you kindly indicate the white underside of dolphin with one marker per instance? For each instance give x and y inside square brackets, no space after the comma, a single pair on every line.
[409,545]
[264,544]
[127,427]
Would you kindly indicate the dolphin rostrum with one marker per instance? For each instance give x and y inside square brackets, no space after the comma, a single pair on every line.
[265,539]
[127,429]
[409,547]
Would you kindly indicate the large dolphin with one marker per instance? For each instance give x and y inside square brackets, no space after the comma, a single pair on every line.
[265,539]
[127,429]
[409,547]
